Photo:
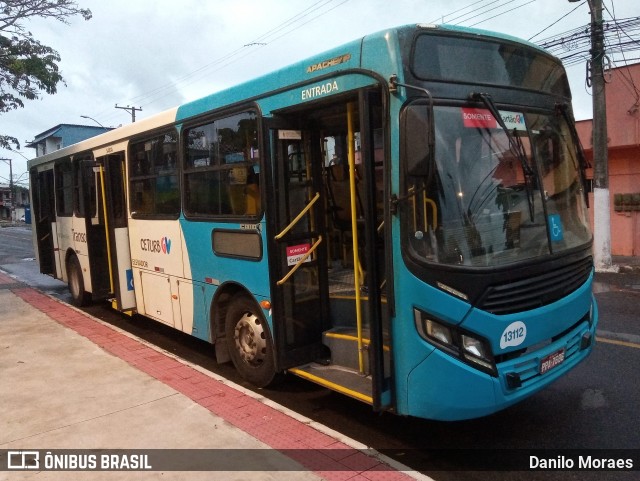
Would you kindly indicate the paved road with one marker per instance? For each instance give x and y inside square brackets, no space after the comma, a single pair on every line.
[597,406]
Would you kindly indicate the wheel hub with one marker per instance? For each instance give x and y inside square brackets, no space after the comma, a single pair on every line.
[250,339]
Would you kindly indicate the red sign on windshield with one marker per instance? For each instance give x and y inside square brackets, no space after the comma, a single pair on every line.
[478,118]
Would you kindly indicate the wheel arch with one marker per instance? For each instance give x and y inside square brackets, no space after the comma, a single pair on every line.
[220,303]
[67,257]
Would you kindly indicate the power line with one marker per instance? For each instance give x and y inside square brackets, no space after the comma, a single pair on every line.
[470,5]
[230,59]
[290,25]
[560,19]
[502,13]
[629,80]
[476,10]
[573,46]
[259,41]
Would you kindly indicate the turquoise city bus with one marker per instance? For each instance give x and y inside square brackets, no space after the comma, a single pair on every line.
[402,219]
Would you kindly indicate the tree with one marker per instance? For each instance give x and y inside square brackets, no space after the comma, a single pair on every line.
[27,67]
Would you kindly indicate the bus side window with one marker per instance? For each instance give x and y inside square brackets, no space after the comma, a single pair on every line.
[220,177]
[154,183]
[64,188]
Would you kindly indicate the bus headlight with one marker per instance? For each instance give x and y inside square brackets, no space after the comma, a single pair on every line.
[438,332]
[476,351]
[468,347]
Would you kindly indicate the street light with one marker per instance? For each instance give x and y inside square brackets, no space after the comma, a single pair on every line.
[601,201]
[91,118]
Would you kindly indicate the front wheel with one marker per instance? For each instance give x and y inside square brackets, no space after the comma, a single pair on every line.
[79,296]
[249,341]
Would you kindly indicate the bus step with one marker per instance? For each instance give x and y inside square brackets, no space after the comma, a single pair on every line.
[343,344]
[336,378]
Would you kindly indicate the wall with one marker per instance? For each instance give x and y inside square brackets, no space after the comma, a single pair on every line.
[623,135]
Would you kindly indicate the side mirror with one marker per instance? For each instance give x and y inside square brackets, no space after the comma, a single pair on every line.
[418,141]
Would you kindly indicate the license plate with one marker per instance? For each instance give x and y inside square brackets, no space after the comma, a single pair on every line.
[552,360]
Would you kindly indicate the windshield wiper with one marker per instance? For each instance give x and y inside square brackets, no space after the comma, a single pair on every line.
[515,146]
[582,158]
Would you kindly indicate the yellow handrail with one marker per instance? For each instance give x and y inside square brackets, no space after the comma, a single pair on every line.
[298,217]
[106,227]
[354,230]
[302,259]
[434,209]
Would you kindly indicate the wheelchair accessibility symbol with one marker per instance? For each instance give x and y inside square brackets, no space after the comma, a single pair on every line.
[555,228]
[129,273]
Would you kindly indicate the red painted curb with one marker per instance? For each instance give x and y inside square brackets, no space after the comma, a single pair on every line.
[268,425]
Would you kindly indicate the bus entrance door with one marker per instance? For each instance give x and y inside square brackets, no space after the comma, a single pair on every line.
[44,215]
[112,187]
[330,248]
[300,260]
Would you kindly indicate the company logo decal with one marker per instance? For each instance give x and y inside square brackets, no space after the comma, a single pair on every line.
[166,245]
[152,245]
[329,63]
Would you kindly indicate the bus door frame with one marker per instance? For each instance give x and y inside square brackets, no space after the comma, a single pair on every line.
[292,350]
[111,163]
[381,368]
[48,251]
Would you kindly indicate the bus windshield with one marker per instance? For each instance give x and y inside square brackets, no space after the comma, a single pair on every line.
[438,57]
[479,207]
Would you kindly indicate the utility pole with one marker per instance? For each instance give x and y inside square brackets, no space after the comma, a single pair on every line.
[11,206]
[131,110]
[601,200]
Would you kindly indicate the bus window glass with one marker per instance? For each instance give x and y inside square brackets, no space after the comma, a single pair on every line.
[154,179]
[492,63]
[222,167]
[478,209]
[563,191]
[84,186]
[64,188]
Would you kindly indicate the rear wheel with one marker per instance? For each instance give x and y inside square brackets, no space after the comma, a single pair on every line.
[79,296]
[249,341]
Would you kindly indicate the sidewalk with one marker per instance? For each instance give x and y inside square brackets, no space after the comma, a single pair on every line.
[69,381]
[627,264]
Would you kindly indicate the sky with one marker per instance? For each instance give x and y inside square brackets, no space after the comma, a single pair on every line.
[157,54]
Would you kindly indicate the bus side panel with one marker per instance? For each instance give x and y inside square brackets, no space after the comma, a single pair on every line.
[63,241]
[156,245]
[158,265]
[77,234]
[125,273]
[210,269]
[156,297]
[202,301]
[410,350]
[182,294]
[56,251]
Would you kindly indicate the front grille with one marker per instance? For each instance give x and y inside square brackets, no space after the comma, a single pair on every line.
[537,291]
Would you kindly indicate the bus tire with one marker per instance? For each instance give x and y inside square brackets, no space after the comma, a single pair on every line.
[79,297]
[249,341]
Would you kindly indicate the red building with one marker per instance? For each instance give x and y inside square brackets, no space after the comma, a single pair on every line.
[623,126]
